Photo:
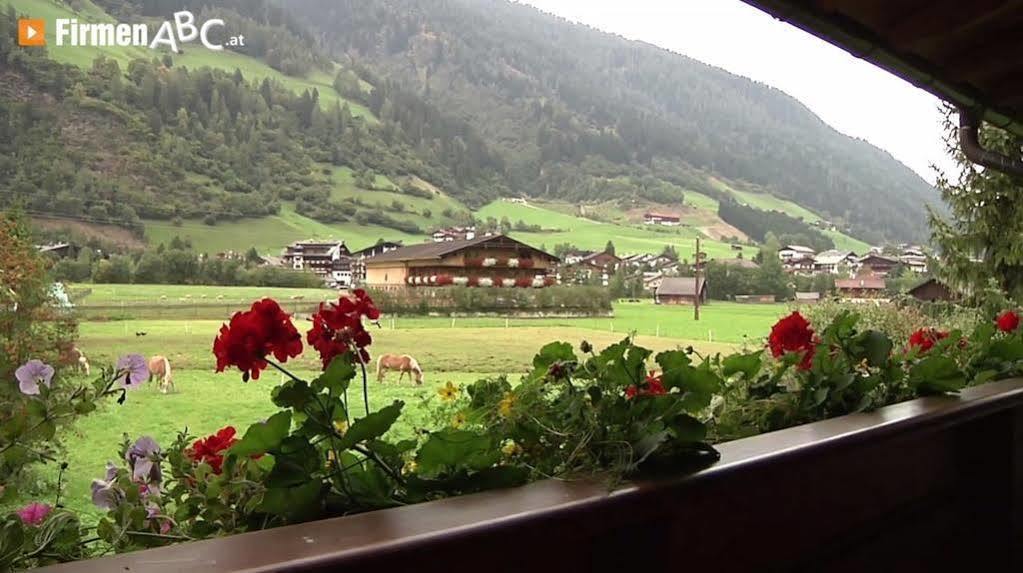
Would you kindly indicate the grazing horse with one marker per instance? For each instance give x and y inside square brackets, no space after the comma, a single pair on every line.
[404,364]
[159,367]
[73,357]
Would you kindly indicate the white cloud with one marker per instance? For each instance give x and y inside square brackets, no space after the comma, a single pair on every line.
[853,96]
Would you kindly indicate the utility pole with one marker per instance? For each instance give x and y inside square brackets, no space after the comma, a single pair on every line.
[696,299]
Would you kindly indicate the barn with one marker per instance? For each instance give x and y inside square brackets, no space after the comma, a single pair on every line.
[681,290]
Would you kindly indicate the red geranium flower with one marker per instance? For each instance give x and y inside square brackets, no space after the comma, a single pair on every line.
[926,338]
[1008,321]
[652,386]
[250,336]
[211,448]
[337,327]
[793,334]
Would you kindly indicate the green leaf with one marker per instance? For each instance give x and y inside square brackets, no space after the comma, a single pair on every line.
[450,450]
[293,394]
[297,503]
[337,376]
[1007,349]
[550,354]
[262,437]
[936,375]
[647,445]
[372,426]
[294,462]
[12,540]
[876,347]
[747,364]
[686,428]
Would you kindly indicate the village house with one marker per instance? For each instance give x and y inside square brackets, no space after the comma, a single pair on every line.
[877,265]
[835,262]
[491,260]
[863,287]
[799,265]
[915,259]
[600,266]
[796,252]
[652,280]
[454,234]
[330,260]
[666,219]
[932,290]
[359,258]
[681,290]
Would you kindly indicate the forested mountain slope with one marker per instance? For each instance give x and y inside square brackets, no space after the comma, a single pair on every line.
[571,112]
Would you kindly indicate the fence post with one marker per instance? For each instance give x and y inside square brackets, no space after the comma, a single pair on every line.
[658,334]
[710,336]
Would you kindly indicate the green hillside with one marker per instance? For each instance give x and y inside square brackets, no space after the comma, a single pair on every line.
[270,234]
[385,192]
[767,202]
[590,234]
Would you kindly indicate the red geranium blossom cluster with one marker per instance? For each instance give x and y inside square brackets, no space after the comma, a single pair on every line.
[926,338]
[652,386]
[793,334]
[252,335]
[1008,321]
[211,448]
[337,327]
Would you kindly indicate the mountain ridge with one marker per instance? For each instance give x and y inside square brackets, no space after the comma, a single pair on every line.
[492,61]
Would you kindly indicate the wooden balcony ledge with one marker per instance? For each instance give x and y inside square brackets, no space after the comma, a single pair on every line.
[932,484]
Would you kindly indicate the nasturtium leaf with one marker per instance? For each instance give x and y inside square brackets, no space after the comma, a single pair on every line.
[262,437]
[12,541]
[372,426]
[337,376]
[647,445]
[936,375]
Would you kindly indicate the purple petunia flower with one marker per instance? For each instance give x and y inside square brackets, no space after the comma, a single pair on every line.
[105,493]
[132,370]
[31,374]
[34,513]
[143,458]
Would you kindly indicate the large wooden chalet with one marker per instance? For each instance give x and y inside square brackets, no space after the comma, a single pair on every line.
[493,260]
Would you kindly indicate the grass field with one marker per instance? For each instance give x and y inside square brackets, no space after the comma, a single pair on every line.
[108,294]
[459,351]
[590,234]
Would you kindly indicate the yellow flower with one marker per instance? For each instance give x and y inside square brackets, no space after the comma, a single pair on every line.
[449,392]
[458,421]
[341,426]
[510,448]
[410,467]
[504,407]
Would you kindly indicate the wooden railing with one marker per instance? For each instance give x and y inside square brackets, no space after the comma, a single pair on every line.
[934,484]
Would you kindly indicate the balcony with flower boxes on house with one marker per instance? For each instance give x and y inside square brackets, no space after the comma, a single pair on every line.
[485,261]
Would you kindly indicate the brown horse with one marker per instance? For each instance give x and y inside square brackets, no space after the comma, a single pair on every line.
[402,363]
[160,368]
[74,358]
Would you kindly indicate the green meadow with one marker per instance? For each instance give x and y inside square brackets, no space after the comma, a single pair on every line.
[590,234]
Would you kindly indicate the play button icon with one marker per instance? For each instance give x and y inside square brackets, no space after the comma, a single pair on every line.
[31,32]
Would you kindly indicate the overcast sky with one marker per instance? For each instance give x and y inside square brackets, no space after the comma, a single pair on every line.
[853,96]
